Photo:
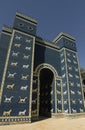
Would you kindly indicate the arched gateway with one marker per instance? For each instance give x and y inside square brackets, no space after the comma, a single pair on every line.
[47,76]
[37,77]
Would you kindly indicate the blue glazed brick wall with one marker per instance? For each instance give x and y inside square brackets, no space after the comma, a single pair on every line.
[47,55]
[24,26]
[20,55]
[4,44]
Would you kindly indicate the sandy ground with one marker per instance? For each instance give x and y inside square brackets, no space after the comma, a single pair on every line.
[50,124]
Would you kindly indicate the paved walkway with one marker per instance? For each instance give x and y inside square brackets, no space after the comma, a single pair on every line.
[49,124]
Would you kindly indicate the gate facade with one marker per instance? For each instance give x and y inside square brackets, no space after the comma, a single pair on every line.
[35,73]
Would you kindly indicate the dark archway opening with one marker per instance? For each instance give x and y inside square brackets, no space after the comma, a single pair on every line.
[84,95]
[46,80]
[83,81]
[84,87]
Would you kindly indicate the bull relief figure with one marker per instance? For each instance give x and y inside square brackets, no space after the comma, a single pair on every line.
[18,37]
[80,101]
[8,100]
[28,48]
[66,111]
[34,90]
[11,75]
[15,53]
[22,113]
[81,110]
[58,92]
[17,45]
[72,92]
[10,86]
[28,40]
[22,100]
[24,77]
[78,84]
[14,64]
[73,110]
[7,113]
[34,111]
[24,87]
[71,84]
[26,57]
[25,66]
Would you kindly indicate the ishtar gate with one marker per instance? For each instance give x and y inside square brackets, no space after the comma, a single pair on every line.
[38,77]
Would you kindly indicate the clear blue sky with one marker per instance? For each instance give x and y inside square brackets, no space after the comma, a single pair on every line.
[53,16]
